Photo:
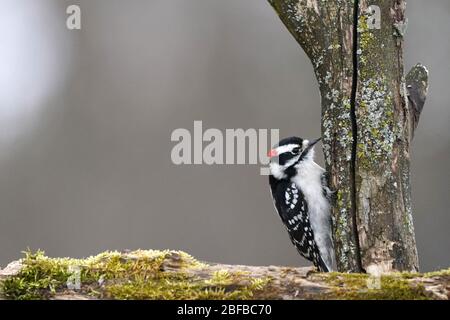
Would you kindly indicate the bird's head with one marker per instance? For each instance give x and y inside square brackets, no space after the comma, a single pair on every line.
[289,154]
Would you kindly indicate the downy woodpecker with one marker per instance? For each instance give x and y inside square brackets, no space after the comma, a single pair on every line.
[302,199]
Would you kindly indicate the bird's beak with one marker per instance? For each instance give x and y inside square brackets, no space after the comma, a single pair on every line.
[310,146]
[272,153]
[314,142]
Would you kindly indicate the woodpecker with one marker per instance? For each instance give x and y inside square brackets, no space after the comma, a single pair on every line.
[302,198]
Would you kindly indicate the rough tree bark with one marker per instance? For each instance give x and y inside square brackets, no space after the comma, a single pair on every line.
[368,119]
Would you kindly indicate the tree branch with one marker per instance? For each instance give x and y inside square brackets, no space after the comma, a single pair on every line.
[176,275]
[304,21]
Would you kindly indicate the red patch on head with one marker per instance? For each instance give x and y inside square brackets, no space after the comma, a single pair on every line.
[272,153]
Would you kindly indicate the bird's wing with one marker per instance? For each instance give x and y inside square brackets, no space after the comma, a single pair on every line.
[293,211]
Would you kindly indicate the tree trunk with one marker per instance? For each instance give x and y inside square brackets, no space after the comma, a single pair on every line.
[368,119]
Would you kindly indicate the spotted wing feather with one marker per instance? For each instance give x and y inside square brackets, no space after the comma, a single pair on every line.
[293,211]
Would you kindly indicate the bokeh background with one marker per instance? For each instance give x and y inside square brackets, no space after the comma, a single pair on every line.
[86,118]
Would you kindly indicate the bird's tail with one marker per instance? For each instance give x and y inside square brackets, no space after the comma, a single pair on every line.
[322,266]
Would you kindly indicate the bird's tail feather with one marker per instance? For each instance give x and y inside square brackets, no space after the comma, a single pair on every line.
[322,266]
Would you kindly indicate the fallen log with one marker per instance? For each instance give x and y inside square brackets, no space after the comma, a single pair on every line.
[153,274]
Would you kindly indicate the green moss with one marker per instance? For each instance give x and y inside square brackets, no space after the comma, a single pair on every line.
[184,287]
[441,273]
[37,275]
[362,286]
[152,274]
[136,275]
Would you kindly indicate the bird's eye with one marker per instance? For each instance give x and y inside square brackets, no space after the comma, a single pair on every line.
[295,150]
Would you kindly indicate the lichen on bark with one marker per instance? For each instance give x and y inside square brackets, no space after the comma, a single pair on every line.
[385,228]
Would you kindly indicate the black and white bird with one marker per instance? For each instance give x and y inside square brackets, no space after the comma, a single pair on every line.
[302,199]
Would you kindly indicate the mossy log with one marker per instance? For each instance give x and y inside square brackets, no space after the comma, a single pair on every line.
[370,111]
[151,274]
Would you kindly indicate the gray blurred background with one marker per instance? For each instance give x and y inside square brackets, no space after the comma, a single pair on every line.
[86,118]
